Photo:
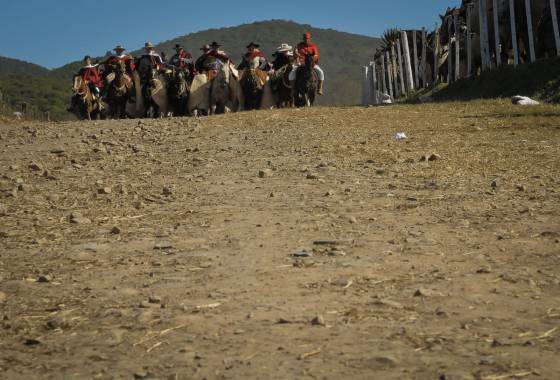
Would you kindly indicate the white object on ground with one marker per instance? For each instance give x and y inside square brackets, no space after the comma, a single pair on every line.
[385,98]
[400,136]
[523,101]
[18,115]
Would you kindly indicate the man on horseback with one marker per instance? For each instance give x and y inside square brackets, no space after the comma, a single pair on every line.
[113,61]
[90,74]
[183,61]
[199,64]
[152,57]
[220,55]
[304,48]
[252,54]
[283,56]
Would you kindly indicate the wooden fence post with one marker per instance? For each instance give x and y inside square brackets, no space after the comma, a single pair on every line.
[424,59]
[496,32]
[484,42]
[383,75]
[415,59]
[374,92]
[449,53]
[530,29]
[395,70]
[555,25]
[365,86]
[407,63]
[436,56]
[469,40]
[389,74]
[457,46]
[401,67]
[513,33]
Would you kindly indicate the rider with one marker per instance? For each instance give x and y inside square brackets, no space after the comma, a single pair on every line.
[253,53]
[112,62]
[199,64]
[155,58]
[216,52]
[90,74]
[283,56]
[183,60]
[304,48]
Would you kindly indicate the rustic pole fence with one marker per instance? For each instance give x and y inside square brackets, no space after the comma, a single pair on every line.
[436,56]
[424,59]
[401,68]
[529,15]
[513,25]
[383,75]
[496,32]
[469,41]
[457,45]
[395,69]
[555,25]
[415,59]
[389,74]
[407,63]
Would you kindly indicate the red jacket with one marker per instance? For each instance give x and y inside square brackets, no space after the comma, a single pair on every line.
[91,75]
[113,60]
[219,55]
[182,60]
[249,56]
[307,48]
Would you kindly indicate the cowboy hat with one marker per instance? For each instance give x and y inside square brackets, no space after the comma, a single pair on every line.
[148,45]
[119,48]
[284,47]
[178,46]
[215,45]
[252,44]
[205,47]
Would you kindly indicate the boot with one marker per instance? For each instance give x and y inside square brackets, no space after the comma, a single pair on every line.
[320,87]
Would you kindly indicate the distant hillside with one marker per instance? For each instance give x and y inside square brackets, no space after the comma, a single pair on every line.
[9,66]
[342,55]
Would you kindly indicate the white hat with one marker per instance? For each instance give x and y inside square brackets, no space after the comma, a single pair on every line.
[284,47]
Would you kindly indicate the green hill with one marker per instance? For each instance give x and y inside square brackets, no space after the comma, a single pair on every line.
[10,66]
[341,53]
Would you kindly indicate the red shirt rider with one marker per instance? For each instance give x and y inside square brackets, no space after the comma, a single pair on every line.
[306,47]
[183,60]
[114,60]
[90,73]
[218,54]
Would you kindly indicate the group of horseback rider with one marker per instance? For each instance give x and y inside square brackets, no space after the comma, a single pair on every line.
[212,58]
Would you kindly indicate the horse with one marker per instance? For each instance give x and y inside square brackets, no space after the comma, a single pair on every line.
[118,94]
[306,83]
[252,83]
[281,88]
[83,103]
[155,94]
[225,90]
[178,91]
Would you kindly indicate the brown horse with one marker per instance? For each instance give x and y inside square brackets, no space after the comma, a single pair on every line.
[84,105]
[252,83]
[119,92]
[281,87]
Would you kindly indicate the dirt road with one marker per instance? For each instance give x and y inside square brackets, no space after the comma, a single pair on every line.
[297,244]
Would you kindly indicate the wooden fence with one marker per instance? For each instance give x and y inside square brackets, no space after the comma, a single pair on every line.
[460,48]
[21,110]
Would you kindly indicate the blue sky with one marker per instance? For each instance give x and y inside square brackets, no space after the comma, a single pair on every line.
[54,32]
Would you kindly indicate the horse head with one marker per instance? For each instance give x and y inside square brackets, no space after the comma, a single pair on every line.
[309,62]
[255,63]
